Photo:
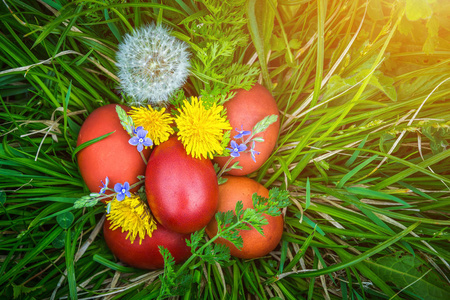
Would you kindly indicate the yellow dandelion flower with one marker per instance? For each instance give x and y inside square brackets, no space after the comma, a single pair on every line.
[201,130]
[133,216]
[156,122]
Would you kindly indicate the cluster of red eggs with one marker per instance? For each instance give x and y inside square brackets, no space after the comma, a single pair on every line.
[183,193]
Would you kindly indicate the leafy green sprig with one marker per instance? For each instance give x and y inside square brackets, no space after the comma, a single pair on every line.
[89,200]
[128,125]
[125,120]
[218,63]
[228,226]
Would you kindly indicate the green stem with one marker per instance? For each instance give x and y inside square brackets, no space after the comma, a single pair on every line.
[200,250]
[137,183]
[224,167]
[143,157]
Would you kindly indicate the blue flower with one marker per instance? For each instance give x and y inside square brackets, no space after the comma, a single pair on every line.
[105,185]
[122,190]
[235,148]
[253,152]
[141,139]
[242,132]
[135,130]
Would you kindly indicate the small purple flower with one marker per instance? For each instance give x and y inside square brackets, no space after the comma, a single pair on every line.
[141,139]
[105,185]
[122,190]
[242,132]
[235,148]
[135,130]
[253,152]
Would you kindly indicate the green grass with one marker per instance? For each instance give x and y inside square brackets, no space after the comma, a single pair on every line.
[363,148]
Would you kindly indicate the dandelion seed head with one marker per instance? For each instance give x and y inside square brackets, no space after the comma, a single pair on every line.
[152,65]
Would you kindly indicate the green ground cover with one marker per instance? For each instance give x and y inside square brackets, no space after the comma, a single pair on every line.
[363,89]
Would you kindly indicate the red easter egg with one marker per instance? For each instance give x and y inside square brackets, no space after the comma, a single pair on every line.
[182,191]
[244,110]
[146,255]
[111,157]
[255,245]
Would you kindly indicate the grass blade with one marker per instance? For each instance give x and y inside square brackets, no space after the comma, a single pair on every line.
[88,143]
[360,257]
[354,171]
